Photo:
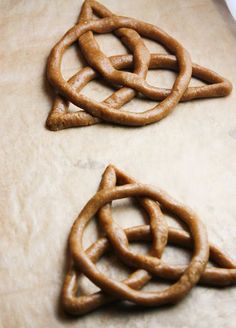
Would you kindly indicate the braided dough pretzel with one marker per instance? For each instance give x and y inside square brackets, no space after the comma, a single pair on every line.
[188,278]
[60,117]
[107,112]
[84,304]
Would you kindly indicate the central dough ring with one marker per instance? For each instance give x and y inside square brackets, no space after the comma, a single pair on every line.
[131,80]
[173,293]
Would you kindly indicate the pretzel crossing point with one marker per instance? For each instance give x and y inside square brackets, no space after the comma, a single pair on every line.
[111,69]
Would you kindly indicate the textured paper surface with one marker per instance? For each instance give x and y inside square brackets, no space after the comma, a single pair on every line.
[47,177]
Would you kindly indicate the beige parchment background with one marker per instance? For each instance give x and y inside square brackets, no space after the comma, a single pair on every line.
[47,177]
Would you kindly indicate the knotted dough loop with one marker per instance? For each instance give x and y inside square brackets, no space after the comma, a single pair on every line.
[157,232]
[188,278]
[109,68]
[131,80]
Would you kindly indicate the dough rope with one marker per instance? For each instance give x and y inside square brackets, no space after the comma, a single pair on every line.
[111,69]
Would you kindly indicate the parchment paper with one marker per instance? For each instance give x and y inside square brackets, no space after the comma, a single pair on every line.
[47,177]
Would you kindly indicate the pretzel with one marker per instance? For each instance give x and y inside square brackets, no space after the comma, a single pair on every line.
[189,276]
[102,63]
[60,117]
[83,304]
